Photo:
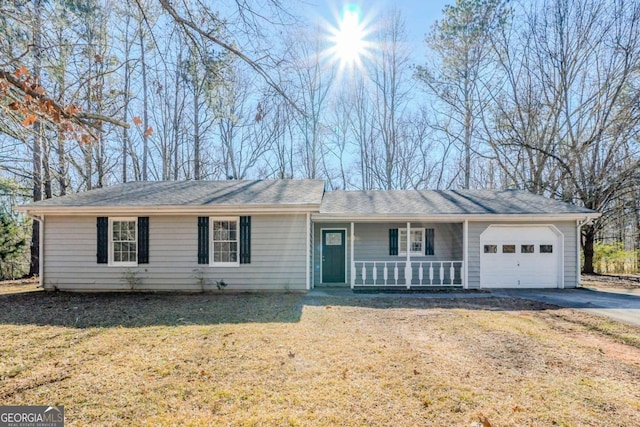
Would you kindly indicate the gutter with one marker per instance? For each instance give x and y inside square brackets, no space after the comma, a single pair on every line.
[166,210]
[453,217]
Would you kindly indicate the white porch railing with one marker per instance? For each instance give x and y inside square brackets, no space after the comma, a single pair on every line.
[407,274]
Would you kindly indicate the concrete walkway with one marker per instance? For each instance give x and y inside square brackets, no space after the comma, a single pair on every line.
[622,307]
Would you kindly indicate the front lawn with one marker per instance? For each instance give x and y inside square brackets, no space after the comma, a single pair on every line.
[204,359]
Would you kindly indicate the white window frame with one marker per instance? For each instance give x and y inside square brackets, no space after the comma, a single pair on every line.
[212,246]
[111,247]
[402,249]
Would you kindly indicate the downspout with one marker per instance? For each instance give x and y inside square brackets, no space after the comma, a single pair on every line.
[579,224]
[308,253]
[40,219]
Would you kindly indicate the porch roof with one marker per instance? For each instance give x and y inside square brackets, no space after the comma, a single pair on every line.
[414,203]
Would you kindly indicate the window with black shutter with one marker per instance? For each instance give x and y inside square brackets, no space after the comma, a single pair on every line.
[122,241]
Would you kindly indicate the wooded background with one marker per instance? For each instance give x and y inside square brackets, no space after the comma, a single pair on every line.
[536,95]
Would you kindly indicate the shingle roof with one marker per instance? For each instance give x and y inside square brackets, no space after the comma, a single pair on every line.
[195,193]
[461,202]
[292,193]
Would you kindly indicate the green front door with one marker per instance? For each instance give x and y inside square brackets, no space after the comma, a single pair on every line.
[333,256]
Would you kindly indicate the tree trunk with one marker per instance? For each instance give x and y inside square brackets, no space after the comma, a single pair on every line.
[34,265]
[46,168]
[196,133]
[637,226]
[467,147]
[100,151]
[145,112]
[176,121]
[62,163]
[588,239]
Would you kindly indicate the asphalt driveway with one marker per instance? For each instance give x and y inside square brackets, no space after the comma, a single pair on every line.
[623,307]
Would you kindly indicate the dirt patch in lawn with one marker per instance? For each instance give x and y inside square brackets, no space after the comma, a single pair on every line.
[262,360]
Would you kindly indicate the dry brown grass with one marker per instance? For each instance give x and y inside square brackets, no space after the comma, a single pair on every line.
[629,282]
[262,360]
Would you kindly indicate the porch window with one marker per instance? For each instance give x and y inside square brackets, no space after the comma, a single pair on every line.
[224,242]
[416,242]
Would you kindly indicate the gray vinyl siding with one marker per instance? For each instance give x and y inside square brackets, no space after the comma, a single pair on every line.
[567,228]
[278,256]
[372,244]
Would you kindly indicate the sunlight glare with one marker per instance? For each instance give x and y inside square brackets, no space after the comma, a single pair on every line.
[348,39]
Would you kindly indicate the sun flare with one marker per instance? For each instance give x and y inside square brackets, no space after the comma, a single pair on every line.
[348,38]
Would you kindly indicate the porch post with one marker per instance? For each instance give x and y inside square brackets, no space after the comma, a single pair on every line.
[408,272]
[353,263]
[465,251]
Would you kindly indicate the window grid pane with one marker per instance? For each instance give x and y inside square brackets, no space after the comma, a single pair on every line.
[125,248]
[225,241]
[416,242]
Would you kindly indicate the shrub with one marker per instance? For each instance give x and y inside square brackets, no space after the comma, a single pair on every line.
[613,258]
[12,246]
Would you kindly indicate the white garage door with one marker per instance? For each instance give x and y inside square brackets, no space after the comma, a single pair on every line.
[520,257]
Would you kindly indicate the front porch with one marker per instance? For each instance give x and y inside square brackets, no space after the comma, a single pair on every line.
[391,255]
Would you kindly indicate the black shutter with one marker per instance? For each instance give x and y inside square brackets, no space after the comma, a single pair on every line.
[143,240]
[393,241]
[245,240]
[102,252]
[203,240]
[429,234]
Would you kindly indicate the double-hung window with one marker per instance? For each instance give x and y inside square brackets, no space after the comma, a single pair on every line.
[416,241]
[123,241]
[224,241]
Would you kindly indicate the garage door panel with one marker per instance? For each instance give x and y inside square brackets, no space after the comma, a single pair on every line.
[525,257]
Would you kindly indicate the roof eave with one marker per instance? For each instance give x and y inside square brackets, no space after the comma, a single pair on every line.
[345,217]
[166,210]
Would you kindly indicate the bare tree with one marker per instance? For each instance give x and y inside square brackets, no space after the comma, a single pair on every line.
[391,87]
[457,69]
[247,126]
[313,77]
[565,124]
